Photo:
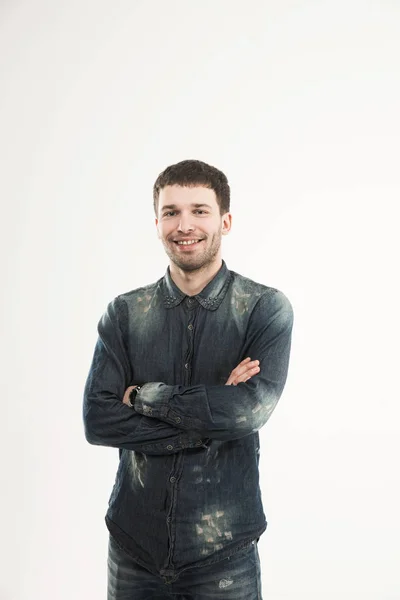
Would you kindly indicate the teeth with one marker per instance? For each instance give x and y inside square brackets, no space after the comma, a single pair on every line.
[188,243]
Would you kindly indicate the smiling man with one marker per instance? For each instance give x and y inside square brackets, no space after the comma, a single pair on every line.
[190,226]
[185,372]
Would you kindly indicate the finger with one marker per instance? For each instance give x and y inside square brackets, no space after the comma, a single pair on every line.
[241,364]
[248,365]
[240,370]
[248,375]
[244,367]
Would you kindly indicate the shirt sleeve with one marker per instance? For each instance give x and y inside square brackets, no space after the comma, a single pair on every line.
[107,420]
[225,412]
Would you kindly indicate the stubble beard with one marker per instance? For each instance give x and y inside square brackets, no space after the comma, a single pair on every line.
[199,261]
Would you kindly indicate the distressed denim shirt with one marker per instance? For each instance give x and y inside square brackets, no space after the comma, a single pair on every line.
[187,490]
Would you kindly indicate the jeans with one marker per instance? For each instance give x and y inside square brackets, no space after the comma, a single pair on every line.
[237,577]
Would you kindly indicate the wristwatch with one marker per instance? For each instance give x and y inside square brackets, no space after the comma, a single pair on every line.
[132,396]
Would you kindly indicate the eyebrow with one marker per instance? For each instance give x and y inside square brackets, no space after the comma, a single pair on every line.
[194,204]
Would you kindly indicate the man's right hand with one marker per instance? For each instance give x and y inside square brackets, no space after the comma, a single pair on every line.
[244,371]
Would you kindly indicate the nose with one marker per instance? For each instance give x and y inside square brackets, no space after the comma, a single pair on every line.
[185,224]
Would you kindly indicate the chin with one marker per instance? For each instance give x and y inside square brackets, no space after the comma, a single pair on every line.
[188,265]
[194,264]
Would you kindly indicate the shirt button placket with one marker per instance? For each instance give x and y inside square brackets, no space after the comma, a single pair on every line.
[190,303]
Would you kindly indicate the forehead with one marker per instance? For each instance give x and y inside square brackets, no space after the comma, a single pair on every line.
[183,196]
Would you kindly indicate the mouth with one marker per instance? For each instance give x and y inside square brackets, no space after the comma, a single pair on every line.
[188,244]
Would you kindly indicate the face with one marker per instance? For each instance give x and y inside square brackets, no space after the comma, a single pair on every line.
[191,214]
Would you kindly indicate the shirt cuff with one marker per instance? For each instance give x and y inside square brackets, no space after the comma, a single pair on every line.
[152,399]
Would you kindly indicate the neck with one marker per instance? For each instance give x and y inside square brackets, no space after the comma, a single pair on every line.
[192,282]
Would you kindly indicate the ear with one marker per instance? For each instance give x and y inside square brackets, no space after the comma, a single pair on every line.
[226,223]
[158,233]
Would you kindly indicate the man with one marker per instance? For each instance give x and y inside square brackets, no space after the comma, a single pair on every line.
[185,372]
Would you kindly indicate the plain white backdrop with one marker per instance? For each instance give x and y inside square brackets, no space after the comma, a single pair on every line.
[298,103]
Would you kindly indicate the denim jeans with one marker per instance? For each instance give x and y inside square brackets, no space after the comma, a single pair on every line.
[234,578]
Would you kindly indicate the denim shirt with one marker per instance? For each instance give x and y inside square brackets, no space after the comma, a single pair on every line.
[187,490]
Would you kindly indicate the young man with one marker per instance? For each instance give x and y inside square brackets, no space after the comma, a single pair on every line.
[185,372]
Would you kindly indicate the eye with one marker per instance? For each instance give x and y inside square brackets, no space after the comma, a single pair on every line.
[199,210]
[170,212]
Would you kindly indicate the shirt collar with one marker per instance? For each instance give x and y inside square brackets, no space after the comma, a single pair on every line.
[210,297]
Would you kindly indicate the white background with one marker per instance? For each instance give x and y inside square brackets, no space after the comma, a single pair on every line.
[298,103]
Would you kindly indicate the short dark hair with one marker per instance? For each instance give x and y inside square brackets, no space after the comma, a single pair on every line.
[192,173]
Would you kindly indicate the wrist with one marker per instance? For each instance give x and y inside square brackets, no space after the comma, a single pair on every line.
[132,396]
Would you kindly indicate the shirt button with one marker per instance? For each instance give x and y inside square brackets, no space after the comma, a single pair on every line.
[190,327]
[169,447]
[190,300]
[172,479]
[178,419]
[186,365]
[169,519]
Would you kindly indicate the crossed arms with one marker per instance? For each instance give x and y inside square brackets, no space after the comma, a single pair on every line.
[168,418]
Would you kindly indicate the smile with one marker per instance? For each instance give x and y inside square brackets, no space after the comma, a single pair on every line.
[187,243]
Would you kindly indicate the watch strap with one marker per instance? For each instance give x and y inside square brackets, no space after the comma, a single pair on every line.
[132,395]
